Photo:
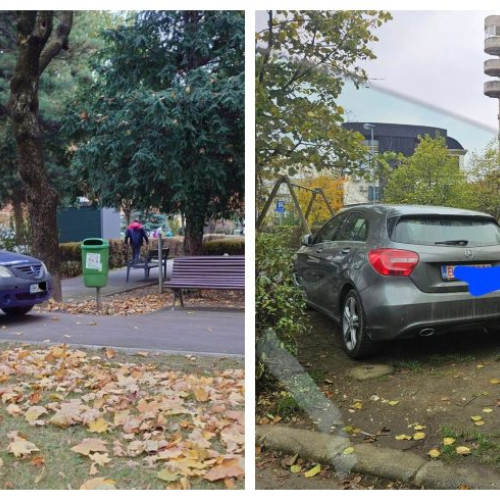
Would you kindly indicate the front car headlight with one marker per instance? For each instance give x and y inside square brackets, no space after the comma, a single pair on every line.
[5,272]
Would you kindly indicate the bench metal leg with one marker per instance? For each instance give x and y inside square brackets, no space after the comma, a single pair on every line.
[128,271]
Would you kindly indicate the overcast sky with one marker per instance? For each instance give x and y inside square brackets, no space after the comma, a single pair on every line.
[428,71]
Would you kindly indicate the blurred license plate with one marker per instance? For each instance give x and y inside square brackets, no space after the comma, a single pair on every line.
[35,288]
[448,272]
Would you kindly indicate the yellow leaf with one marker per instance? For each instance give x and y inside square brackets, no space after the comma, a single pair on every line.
[34,413]
[418,427]
[448,441]
[495,381]
[20,447]
[434,453]
[98,483]
[295,469]
[312,472]
[393,403]
[100,458]
[476,418]
[462,450]
[100,425]
[201,395]
[479,423]
[402,437]
[357,405]
[348,451]
[418,436]
[487,410]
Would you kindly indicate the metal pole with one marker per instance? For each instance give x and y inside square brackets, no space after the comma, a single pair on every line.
[98,298]
[160,264]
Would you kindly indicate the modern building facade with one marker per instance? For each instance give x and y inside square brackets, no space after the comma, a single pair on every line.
[399,138]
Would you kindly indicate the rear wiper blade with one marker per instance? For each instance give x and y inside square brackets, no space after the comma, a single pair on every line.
[452,242]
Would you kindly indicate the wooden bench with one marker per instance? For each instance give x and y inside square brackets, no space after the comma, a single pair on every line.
[207,273]
[149,263]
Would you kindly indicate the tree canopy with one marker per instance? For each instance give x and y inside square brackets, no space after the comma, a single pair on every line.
[165,128]
[431,176]
[302,59]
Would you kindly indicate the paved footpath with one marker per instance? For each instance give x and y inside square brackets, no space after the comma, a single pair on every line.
[183,330]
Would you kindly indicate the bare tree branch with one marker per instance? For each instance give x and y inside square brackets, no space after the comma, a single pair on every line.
[59,43]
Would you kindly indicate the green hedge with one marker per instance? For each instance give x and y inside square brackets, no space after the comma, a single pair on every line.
[119,254]
[231,246]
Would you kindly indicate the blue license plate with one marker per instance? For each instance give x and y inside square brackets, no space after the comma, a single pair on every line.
[448,272]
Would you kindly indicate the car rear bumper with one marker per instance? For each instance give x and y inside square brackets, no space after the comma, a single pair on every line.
[402,311]
[15,294]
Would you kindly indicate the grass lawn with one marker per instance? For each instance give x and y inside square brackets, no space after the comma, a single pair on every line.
[75,418]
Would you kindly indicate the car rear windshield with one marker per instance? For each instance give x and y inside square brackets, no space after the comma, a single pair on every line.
[444,230]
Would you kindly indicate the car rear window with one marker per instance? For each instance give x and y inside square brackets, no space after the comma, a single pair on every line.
[441,230]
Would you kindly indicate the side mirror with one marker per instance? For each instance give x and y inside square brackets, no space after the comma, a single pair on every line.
[307,240]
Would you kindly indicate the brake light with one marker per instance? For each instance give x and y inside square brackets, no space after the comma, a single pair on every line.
[393,262]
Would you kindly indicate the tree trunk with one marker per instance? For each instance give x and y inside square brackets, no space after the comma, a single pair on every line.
[193,238]
[34,54]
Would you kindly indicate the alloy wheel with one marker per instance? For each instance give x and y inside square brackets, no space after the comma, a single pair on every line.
[350,323]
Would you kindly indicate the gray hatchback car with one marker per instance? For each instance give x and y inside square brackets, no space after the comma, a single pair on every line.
[387,272]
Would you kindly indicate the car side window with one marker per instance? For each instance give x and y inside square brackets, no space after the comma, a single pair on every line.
[355,228]
[327,232]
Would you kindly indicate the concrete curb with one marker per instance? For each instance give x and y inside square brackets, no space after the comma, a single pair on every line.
[368,459]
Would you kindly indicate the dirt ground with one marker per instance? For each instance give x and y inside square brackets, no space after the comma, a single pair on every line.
[146,300]
[441,387]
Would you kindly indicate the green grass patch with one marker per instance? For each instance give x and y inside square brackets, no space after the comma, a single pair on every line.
[485,448]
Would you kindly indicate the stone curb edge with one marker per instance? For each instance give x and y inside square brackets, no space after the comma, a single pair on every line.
[381,462]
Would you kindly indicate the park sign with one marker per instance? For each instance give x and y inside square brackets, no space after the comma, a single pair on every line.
[280,206]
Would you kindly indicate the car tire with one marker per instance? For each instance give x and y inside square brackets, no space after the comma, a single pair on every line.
[17,311]
[355,340]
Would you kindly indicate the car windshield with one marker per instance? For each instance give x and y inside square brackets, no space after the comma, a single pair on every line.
[445,230]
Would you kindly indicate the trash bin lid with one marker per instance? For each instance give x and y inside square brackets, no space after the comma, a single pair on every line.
[95,242]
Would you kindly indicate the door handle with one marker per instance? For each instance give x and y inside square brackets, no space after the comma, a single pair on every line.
[345,250]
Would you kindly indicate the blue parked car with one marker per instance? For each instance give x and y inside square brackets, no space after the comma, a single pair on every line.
[24,282]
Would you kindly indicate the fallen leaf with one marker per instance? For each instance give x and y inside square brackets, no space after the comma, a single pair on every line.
[313,472]
[34,413]
[487,410]
[393,403]
[462,450]
[100,425]
[98,483]
[434,453]
[228,468]
[494,381]
[447,441]
[418,436]
[476,418]
[403,437]
[100,458]
[110,353]
[21,447]
[89,445]
[295,469]
[348,451]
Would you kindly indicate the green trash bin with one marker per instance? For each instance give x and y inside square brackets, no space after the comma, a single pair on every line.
[95,258]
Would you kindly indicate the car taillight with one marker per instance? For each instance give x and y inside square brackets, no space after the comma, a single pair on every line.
[393,262]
